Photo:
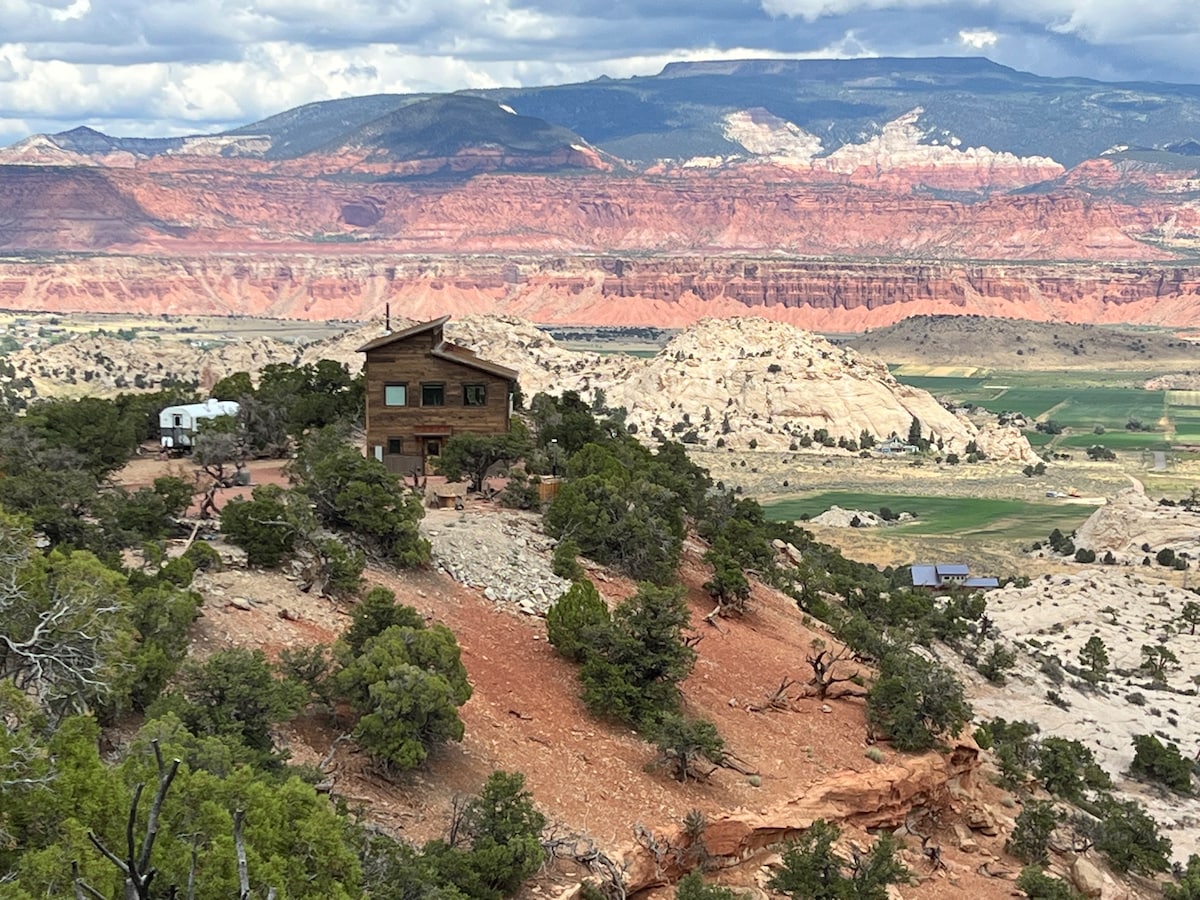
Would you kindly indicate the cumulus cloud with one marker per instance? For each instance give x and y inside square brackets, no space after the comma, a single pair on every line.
[978,38]
[160,67]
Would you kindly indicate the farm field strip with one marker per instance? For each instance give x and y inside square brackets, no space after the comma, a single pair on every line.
[1081,403]
[964,517]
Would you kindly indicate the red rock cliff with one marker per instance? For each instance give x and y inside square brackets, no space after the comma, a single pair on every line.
[825,296]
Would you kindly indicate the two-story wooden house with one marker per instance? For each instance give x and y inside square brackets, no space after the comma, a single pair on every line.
[421,390]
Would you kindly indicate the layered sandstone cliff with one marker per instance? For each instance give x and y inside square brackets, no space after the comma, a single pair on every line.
[615,289]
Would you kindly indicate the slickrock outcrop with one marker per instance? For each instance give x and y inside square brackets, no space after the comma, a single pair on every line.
[875,798]
[1007,443]
[1128,608]
[1131,521]
[739,382]
[742,383]
[108,365]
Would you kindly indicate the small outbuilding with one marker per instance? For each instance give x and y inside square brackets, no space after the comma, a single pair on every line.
[177,425]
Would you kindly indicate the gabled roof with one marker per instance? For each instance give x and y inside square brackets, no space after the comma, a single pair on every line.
[444,349]
[464,357]
[952,569]
[925,576]
[386,339]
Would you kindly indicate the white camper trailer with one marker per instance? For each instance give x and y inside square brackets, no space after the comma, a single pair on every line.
[178,424]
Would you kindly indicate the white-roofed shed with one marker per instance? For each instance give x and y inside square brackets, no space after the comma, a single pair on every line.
[178,424]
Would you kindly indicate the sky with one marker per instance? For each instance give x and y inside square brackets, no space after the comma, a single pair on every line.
[170,67]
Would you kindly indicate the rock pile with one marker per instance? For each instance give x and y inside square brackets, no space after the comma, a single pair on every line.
[503,554]
[837,517]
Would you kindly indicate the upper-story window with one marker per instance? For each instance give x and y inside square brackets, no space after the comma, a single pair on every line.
[395,395]
[433,394]
[474,395]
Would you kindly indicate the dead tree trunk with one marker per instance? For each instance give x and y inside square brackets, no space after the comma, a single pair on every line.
[136,865]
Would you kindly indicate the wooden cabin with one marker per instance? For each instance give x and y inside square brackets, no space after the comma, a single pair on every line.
[421,390]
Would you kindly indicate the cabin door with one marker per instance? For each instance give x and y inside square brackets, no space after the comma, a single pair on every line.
[431,452]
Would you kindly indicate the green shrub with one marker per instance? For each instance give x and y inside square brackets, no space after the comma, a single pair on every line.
[573,619]
[341,566]
[996,664]
[406,685]
[565,561]
[683,741]
[915,701]
[692,887]
[233,694]
[262,526]
[1189,882]
[378,612]
[1156,761]
[1130,839]
[496,844]
[633,672]
[355,495]
[813,871]
[203,556]
[1037,885]
[521,491]
[1031,835]
[1067,768]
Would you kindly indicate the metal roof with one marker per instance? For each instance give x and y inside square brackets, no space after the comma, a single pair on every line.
[925,576]
[952,569]
[982,582]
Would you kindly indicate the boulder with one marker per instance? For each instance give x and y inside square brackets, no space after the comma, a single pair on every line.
[1087,878]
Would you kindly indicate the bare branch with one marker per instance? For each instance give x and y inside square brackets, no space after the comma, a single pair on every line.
[240,847]
[82,889]
[108,854]
[166,774]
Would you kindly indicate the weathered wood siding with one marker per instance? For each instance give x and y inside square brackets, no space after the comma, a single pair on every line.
[410,362]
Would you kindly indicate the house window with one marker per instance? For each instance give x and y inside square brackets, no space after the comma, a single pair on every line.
[433,394]
[395,446]
[474,395]
[395,395]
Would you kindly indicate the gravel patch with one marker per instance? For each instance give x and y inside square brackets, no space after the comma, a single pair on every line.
[502,553]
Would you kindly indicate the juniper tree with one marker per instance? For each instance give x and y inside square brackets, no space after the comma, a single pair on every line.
[1093,656]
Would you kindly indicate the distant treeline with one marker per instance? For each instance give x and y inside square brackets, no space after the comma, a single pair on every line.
[641,333]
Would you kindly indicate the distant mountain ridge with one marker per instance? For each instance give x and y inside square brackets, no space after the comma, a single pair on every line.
[682,112]
[838,194]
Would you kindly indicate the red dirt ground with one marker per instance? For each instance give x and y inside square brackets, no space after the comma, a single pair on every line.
[525,715]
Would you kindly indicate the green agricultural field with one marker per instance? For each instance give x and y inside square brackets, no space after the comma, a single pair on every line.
[1117,440]
[966,517]
[1079,402]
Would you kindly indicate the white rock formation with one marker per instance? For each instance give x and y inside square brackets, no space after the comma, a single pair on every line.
[1132,521]
[736,381]
[1127,608]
